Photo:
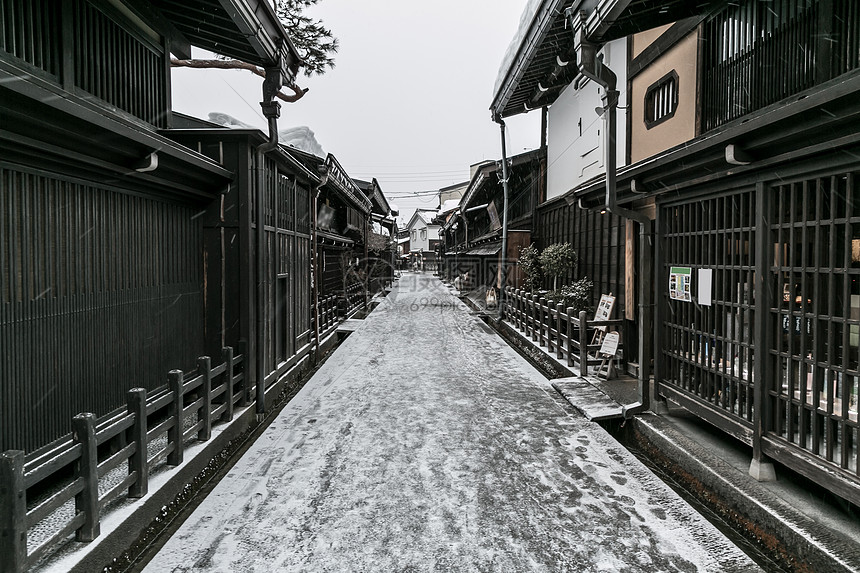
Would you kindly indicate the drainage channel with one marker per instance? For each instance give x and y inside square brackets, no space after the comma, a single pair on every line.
[623,435]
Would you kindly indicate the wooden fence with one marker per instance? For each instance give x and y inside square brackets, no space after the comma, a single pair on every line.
[328,315]
[73,479]
[560,330]
[355,298]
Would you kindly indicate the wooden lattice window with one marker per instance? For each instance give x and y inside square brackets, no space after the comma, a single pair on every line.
[661,100]
[708,349]
[815,316]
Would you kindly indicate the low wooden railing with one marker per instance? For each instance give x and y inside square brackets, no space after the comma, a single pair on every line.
[61,482]
[355,298]
[560,330]
[328,315]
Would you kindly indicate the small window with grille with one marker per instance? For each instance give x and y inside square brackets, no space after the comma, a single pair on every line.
[661,100]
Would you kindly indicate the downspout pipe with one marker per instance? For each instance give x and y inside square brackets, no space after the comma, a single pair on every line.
[272,111]
[505,189]
[591,66]
[315,257]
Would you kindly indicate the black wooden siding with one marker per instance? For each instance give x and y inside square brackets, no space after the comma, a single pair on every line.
[100,293]
[756,54]
[286,304]
[96,41]
[598,240]
[20,18]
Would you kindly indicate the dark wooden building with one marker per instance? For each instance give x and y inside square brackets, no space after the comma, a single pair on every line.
[738,161]
[256,278]
[472,237]
[110,226]
[381,239]
[343,233]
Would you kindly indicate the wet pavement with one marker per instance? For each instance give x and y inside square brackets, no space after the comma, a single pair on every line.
[425,443]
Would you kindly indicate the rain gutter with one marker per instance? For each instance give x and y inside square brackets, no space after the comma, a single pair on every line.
[591,66]
[323,168]
[272,110]
[504,253]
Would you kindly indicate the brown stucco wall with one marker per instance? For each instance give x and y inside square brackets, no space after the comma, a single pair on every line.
[682,58]
[644,39]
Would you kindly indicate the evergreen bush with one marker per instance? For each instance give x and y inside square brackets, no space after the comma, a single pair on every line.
[556,260]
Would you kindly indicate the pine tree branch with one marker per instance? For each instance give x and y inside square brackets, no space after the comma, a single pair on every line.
[298,92]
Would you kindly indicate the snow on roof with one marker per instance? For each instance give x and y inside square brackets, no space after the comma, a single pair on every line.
[301,137]
[525,22]
[228,120]
[449,206]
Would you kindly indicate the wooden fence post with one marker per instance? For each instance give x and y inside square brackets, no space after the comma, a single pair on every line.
[516,297]
[87,501]
[559,343]
[583,345]
[13,512]
[524,306]
[534,304]
[243,397]
[174,434]
[227,356]
[138,462]
[570,344]
[549,323]
[541,305]
[204,414]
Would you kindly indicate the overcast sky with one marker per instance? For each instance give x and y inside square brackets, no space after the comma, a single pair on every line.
[408,101]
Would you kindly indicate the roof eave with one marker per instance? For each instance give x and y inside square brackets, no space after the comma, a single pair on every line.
[538,29]
[257,20]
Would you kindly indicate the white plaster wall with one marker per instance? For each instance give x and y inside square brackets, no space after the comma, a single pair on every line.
[575,132]
[419,243]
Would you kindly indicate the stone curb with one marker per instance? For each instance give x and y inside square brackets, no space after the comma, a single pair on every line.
[795,539]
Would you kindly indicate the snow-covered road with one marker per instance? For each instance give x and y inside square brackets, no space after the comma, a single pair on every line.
[425,443]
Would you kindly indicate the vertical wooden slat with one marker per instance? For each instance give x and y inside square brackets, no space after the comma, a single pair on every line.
[559,344]
[583,344]
[137,463]
[204,414]
[569,316]
[13,512]
[87,501]
[174,434]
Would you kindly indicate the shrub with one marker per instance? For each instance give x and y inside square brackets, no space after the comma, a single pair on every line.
[530,263]
[576,295]
[556,260]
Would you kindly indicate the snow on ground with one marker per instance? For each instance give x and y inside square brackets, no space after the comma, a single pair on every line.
[425,443]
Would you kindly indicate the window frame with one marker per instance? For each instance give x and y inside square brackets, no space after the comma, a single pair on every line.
[669,78]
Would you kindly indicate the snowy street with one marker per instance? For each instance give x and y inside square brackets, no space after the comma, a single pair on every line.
[425,443]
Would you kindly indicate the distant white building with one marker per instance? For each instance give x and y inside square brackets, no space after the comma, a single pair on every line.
[423,239]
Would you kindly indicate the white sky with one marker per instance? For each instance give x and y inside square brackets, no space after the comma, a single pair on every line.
[408,101]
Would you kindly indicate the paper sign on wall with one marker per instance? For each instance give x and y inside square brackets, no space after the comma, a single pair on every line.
[680,279]
[705,286]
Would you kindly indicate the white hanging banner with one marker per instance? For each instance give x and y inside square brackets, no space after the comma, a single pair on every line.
[706,286]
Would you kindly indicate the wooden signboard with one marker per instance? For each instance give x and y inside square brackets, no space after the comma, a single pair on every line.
[604,309]
[610,344]
[607,351]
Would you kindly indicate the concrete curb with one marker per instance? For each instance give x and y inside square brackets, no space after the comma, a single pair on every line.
[796,540]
